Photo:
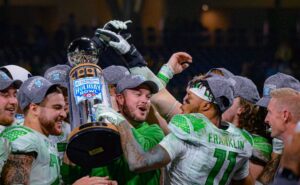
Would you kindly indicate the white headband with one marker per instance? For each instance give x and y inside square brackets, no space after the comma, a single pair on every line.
[203,93]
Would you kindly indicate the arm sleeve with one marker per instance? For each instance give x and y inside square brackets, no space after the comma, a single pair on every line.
[173,145]
[242,172]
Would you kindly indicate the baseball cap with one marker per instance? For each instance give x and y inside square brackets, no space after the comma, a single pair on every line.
[279,80]
[33,90]
[112,74]
[220,88]
[133,81]
[5,81]
[245,88]
[226,73]
[16,72]
[58,74]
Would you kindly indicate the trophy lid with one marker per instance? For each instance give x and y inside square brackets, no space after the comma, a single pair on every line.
[82,50]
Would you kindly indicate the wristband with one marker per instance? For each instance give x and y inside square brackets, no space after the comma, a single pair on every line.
[165,74]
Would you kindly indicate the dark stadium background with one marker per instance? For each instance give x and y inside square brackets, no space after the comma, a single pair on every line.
[254,38]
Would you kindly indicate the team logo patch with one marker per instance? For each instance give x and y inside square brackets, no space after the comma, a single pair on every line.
[55,76]
[38,83]
[87,88]
[268,88]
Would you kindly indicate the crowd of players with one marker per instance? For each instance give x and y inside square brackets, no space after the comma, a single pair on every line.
[223,132]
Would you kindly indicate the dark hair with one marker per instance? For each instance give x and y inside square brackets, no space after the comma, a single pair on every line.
[202,79]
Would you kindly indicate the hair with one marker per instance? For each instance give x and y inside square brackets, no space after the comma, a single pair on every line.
[196,78]
[252,118]
[288,98]
[217,72]
[53,89]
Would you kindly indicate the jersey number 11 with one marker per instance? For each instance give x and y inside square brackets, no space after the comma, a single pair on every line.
[221,157]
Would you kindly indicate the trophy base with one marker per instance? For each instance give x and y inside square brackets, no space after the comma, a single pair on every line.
[94,145]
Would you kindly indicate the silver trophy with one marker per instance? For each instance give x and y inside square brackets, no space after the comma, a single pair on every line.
[92,143]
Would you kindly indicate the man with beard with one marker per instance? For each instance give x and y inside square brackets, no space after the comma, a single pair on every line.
[133,98]
[33,158]
[17,73]
[197,151]
[59,74]
[8,108]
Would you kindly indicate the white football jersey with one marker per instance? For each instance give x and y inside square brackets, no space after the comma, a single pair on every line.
[61,140]
[201,153]
[45,168]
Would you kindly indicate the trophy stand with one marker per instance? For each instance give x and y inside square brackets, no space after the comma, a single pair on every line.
[92,143]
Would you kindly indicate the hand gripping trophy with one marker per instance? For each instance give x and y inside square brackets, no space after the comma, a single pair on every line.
[92,143]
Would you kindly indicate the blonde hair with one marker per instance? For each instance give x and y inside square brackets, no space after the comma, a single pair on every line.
[288,98]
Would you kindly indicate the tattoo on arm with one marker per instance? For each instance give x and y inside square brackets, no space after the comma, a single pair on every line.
[139,160]
[270,169]
[17,169]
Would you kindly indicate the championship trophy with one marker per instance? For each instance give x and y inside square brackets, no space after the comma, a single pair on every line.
[92,143]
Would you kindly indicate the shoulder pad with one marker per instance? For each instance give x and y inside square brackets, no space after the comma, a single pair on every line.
[188,123]
[14,132]
[22,139]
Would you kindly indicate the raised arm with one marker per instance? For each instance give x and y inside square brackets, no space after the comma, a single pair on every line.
[164,102]
[17,169]
[138,159]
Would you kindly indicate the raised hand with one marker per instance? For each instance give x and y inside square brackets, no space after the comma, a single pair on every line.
[179,61]
[114,40]
[116,25]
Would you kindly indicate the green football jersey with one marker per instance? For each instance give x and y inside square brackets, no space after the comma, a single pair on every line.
[262,149]
[201,153]
[147,136]
[45,168]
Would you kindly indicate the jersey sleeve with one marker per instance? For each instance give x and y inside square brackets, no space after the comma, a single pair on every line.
[173,145]
[188,127]
[4,151]
[23,140]
[242,172]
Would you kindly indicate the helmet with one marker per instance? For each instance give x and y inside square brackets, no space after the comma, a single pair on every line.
[16,72]
[82,50]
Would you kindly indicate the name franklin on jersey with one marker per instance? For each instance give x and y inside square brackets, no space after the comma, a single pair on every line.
[226,141]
